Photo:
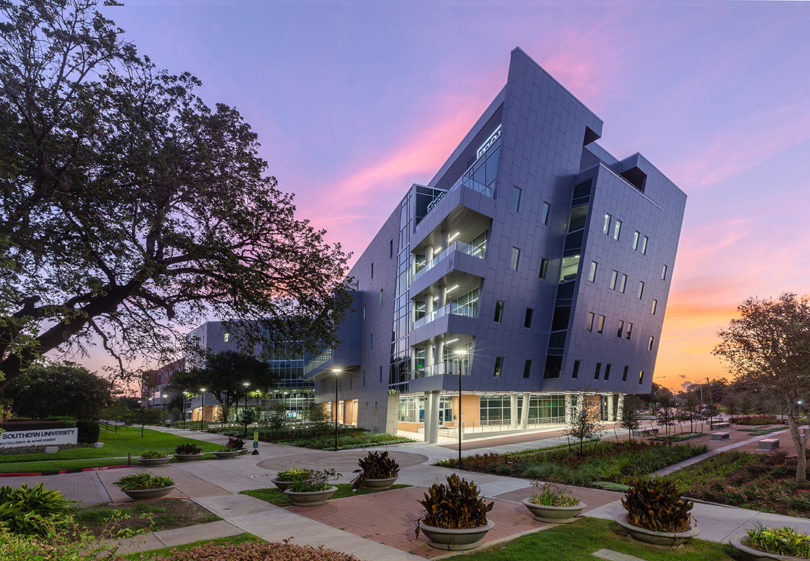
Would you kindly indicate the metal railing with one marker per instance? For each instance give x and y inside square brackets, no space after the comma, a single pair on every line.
[449,367]
[467,181]
[449,309]
[463,247]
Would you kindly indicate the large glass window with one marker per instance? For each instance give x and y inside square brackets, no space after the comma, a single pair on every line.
[411,409]
[570,266]
[466,305]
[578,217]
[479,245]
[495,409]
[545,408]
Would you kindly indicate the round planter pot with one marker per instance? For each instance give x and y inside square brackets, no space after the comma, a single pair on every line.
[187,457]
[140,494]
[150,462]
[455,539]
[282,485]
[756,554]
[310,498]
[379,484]
[658,538]
[554,514]
[226,454]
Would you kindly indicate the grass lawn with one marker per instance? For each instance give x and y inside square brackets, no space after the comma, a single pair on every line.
[278,498]
[322,437]
[117,444]
[156,554]
[577,541]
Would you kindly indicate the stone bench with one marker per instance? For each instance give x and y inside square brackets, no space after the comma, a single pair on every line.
[720,436]
[768,444]
[723,425]
[645,432]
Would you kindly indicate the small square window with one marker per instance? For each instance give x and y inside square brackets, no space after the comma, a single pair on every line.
[498,312]
[543,267]
[607,371]
[597,370]
[654,306]
[527,321]
[624,373]
[650,343]
[544,213]
[515,260]
[592,271]
[527,368]
[640,376]
[664,273]
[601,325]
[629,330]
[589,323]
[606,224]
[644,241]
[623,283]
[617,229]
[640,290]
[620,331]
[613,276]
[514,202]
[575,372]
[636,236]
[498,366]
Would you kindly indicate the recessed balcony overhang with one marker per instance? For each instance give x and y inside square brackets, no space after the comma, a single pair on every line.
[444,320]
[461,210]
[452,267]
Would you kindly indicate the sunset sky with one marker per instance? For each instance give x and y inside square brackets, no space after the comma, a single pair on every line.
[353,102]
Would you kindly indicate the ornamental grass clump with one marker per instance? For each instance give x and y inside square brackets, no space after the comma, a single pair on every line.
[551,495]
[188,449]
[376,465]
[455,504]
[293,474]
[782,541]
[153,455]
[656,504]
[139,481]
[317,480]
[29,510]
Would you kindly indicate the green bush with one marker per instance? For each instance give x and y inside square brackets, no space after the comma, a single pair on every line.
[139,481]
[293,474]
[188,449]
[784,541]
[656,504]
[550,495]
[315,481]
[455,504]
[55,545]
[25,510]
[152,455]
[249,551]
[88,431]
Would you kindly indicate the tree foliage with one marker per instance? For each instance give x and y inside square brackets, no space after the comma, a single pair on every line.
[59,389]
[768,346]
[582,427]
[128,206]
[224,375]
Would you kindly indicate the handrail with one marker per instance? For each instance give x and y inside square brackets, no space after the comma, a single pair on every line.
[463,247]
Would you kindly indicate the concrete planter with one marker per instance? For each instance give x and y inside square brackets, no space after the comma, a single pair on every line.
[658,538]
[226,454]
[752,554]
[282,485]
[187,457]
[554,514]
[310,498]
[150,462]
[379,484]
[455,539]
[140,494]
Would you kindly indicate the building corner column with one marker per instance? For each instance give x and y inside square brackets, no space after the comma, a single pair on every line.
[620,408]
[434,415]
[524,415]
[610,413]
[428,416]
[513,411]
[569,410]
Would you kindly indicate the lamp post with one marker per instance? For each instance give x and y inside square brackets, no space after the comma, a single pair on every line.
[337,373]
[202,408]
[184,408]
[244,411]
[460,353]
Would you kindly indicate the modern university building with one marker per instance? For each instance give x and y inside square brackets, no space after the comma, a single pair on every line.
[533,269]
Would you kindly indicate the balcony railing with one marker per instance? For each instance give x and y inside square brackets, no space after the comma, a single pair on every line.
[475,251]
[451,309]
[468,182]
[448,367]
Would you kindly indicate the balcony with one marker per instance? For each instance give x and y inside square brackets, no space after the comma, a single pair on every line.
[462,320]
[449,309]
[459,246]
[451,368]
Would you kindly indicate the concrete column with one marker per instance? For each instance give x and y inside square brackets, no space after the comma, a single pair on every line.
[513,411]
[444,240]
[580,403]
[428,411]
[610,415]
[429,356]
[428,304]
[440,354]
[434,415]
[429,254]
[620,408]
[524,416]
[568,410]
[442,297]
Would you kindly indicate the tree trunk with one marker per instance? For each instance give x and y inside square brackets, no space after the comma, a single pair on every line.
[801,444]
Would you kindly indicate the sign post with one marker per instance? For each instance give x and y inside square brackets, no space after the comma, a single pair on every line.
[255,443]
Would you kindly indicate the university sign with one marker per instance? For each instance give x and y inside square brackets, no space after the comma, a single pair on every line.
[40,437]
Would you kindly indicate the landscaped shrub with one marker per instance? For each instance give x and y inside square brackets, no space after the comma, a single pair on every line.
[188,449]
[656,504]
[376,465]
[784,541]
[756,420]
[88,431]
[551,495]
[152,455]
[55,545]
[36,425]
[251,551]
[315,481]
[293,474]
[139,481]
[235,443]
[25,510]
[455,504]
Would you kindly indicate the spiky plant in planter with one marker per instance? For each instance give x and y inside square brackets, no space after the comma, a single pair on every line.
[656,504]
[141,481]
[455,516]
[235,443]
[188,449]
[376,466]
[153,455]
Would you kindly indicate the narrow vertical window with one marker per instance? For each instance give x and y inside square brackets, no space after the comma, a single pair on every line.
[653,306]
[527,321]
[364,311]
[650,343]
[227,337]
[624,374]
[527,368]
[597,370]
[380,374]
[543,267]
[640,290]
[607,371]
[390,249]
[644,241]
[589,323]
[601,325]
[641,377]
[664,273]
[617,229]
[592,271]
[372,270]
[498,312]
[381,293]
[544,213]
[515,260]
[620,331]
[623,283]
[636,236]
[629,330]
[364,377]
[371,340]
[514,203]
[498,366]
[613,276]
[575,373]
[606,224]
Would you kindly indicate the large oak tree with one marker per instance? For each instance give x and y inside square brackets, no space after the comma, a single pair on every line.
[129,207]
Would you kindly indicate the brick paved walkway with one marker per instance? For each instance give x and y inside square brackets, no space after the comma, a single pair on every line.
[344,461]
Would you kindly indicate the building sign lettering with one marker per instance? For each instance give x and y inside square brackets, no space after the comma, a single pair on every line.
[39,437]
[496,134]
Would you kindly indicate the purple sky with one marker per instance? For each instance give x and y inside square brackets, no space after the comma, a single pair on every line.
[354,102]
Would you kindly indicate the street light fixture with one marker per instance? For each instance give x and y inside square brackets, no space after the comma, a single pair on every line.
[244,411]
[202,408]
[460,353]
[336,371]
